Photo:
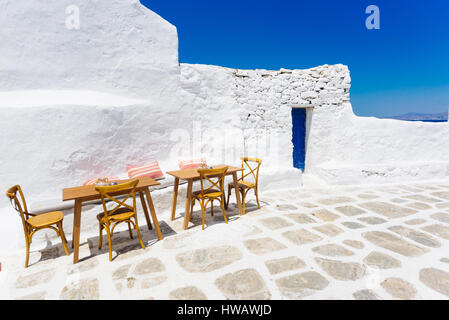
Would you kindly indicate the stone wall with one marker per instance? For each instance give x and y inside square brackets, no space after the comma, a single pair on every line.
[255,106]
[266,99]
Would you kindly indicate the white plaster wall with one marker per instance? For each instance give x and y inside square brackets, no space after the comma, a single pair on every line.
[371,150]
[120,47]
[215,130]
[78,104]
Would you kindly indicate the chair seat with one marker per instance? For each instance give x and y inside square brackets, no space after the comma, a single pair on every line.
[212,193]
[243,184]
[46,219]
[120,214]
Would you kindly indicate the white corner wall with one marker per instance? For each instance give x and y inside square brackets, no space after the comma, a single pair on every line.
[371,150]
[120,47]
[83,103]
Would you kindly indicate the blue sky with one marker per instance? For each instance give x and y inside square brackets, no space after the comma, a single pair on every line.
[403,67]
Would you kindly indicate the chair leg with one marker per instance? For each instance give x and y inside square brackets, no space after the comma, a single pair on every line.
[129,229]
[223,199]
[63,234]
[212,208]
[100,241]
[243,200]
[63,239]
[224,211]
[138,233]
[257,197]
[192,204]
[203,211]
[109,243]
[229,196]
[27,257]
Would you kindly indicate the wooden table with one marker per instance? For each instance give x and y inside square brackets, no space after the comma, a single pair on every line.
[190,175]
[88,193]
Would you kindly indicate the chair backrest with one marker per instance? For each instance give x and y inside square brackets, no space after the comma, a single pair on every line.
[19,204]
[253,165]
[107,191]
[215,177]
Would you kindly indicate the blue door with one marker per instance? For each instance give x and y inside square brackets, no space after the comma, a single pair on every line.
[299,137]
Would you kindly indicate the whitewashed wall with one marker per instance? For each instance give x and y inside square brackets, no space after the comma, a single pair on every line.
[82,103]
[370,150]
[120,47]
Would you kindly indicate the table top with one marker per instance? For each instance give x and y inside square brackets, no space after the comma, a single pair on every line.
[89,193]
[187,174]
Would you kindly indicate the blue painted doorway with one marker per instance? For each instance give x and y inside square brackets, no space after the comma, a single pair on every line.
[299,137]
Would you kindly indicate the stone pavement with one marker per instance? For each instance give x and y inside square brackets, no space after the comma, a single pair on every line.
[357,242]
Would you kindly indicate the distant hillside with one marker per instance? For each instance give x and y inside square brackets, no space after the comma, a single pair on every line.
[413,116]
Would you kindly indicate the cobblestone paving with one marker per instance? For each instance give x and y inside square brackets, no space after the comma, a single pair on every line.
[371,242]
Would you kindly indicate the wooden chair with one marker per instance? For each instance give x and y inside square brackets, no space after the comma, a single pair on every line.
[253,164]
[214,177]
[122,212]
[35,222]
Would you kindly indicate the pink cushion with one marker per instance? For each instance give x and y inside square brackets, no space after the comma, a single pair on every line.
[191,164]
[94,181]
[151,170]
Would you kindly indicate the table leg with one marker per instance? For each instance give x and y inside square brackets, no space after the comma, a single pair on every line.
[188,200]
[76,230]
[175,198]
[237,193]
[145,210]
[153,214]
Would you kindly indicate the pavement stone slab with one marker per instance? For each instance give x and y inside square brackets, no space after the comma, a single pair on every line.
[311,248]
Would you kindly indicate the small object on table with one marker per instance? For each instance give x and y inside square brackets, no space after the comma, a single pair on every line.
[104,182]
